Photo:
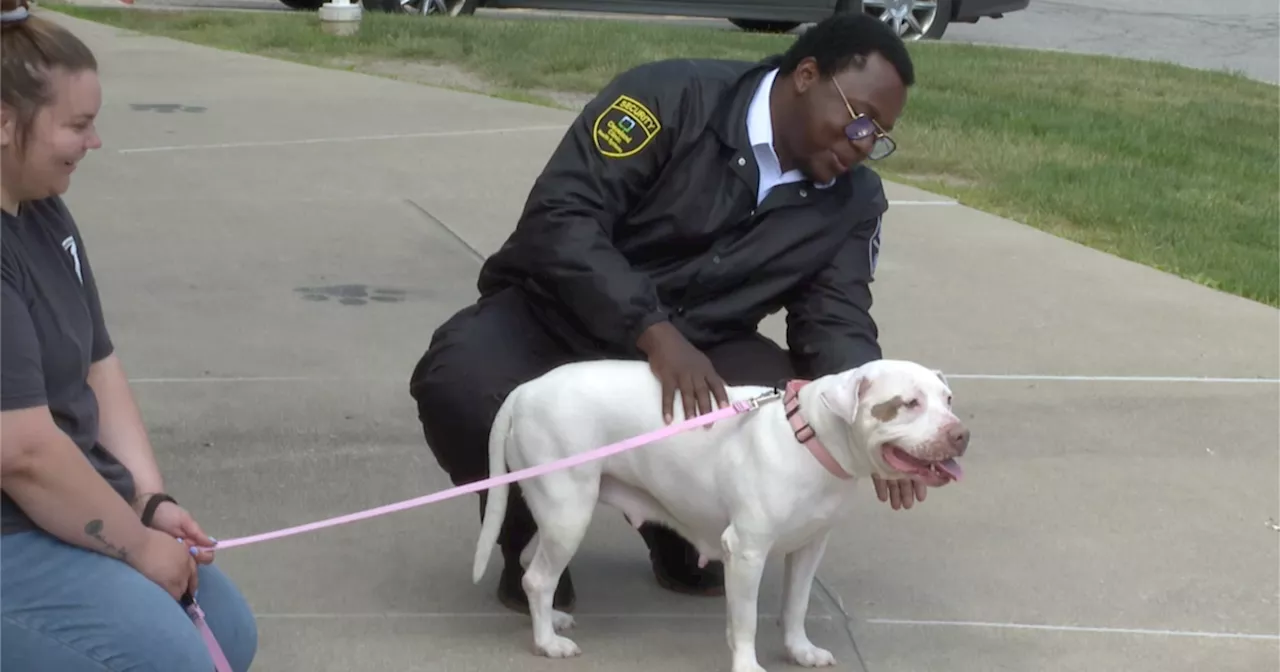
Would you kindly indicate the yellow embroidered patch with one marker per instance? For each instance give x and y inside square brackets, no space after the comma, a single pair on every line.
[625,128]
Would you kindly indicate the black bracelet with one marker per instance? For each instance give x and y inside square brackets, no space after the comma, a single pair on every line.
[149,511]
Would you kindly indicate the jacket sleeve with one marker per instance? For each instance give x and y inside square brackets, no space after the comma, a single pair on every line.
[562,248]
[829,324]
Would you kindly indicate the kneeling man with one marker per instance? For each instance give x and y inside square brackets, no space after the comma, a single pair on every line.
[688,201]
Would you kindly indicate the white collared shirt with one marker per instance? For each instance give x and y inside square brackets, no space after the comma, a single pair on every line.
[760,135]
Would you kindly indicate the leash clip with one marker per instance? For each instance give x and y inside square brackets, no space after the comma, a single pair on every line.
[755,402]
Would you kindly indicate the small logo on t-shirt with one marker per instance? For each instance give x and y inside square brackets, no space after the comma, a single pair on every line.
[70,246]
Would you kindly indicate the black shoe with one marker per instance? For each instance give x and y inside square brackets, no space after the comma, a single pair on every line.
[512,596]
[675,564]
[689,579]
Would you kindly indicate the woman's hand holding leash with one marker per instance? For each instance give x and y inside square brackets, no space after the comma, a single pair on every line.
[161,512]
[168,564]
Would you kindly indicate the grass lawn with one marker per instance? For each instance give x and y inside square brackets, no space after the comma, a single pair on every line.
[1171,167]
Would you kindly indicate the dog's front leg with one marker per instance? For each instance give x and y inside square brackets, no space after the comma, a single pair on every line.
[801,566]
[745,554]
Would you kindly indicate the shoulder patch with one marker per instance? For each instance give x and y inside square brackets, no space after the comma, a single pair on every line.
[625,128]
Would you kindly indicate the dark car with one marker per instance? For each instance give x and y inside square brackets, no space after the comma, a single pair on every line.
[914,19]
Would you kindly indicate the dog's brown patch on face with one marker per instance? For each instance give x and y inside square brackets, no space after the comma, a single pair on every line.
[888,410]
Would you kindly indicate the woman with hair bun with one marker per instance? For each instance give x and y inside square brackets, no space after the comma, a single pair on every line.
[95,558]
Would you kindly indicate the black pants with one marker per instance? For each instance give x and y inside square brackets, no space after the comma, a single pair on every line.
[477,357]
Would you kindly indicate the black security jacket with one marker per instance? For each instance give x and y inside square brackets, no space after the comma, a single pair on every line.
[647,211]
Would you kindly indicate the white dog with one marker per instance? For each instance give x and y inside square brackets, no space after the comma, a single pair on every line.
[763,482]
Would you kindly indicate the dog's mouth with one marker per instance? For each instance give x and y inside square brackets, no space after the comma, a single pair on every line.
[932,473]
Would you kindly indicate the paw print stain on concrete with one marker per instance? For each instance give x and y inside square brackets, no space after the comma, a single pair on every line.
[165,108]
[353,295]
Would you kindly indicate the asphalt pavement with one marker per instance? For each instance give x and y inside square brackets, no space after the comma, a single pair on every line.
[272,270]
[1240,36]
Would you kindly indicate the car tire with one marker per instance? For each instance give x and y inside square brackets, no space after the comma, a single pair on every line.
[457,7]
[941,22]
[311,5]
[759,26]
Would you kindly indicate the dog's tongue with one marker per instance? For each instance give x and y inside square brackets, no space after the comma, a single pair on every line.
[952,468]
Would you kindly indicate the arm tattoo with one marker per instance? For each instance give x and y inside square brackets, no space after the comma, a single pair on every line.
[94,529]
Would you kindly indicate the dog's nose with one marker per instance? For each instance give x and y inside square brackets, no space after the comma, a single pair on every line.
[959,437]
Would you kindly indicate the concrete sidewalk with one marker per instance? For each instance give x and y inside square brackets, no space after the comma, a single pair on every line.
[273,262]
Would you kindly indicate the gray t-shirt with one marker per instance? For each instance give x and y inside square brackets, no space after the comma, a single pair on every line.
[51,330]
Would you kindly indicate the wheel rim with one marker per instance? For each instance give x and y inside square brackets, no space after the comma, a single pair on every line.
[910,18]
[433,7]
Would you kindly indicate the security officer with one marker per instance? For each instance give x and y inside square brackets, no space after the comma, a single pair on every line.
[687,201]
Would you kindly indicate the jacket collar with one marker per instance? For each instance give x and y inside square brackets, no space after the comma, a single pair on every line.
[729,118]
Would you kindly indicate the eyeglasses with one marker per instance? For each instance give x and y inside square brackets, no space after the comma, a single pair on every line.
[863,126]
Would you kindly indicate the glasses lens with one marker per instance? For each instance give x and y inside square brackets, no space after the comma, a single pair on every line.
[859,128]
[884,147]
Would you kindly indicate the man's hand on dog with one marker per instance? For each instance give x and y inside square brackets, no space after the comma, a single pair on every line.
[901,494]
[679,365]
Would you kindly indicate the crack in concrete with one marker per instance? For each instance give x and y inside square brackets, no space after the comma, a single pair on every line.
[479,256]
[836,603]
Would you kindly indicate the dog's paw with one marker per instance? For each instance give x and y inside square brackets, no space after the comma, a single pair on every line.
[561,621]
[559,647]
[812,656]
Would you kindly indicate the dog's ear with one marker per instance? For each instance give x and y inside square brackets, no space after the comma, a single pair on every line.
[941,377]
[842,399]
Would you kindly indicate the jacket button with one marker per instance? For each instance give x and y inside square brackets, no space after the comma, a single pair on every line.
[742,161]
[804,194]
[716,259]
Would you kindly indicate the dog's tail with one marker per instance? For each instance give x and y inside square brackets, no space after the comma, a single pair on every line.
[495,508]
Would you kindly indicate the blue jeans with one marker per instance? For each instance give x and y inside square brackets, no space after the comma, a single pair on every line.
[68,609]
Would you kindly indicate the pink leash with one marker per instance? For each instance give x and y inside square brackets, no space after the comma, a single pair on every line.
[737,408]
[220,663]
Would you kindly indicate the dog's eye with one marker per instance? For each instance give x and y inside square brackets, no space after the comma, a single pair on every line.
[948,400]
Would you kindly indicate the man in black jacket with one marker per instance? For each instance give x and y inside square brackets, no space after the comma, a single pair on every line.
[689,200]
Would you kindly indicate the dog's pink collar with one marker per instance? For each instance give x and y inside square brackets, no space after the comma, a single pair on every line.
[805,434]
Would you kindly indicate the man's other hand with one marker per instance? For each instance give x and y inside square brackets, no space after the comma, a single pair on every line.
[681,366]
[901,494]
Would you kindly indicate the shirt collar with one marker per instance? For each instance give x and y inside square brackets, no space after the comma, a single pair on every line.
[760,121]
[759,117]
